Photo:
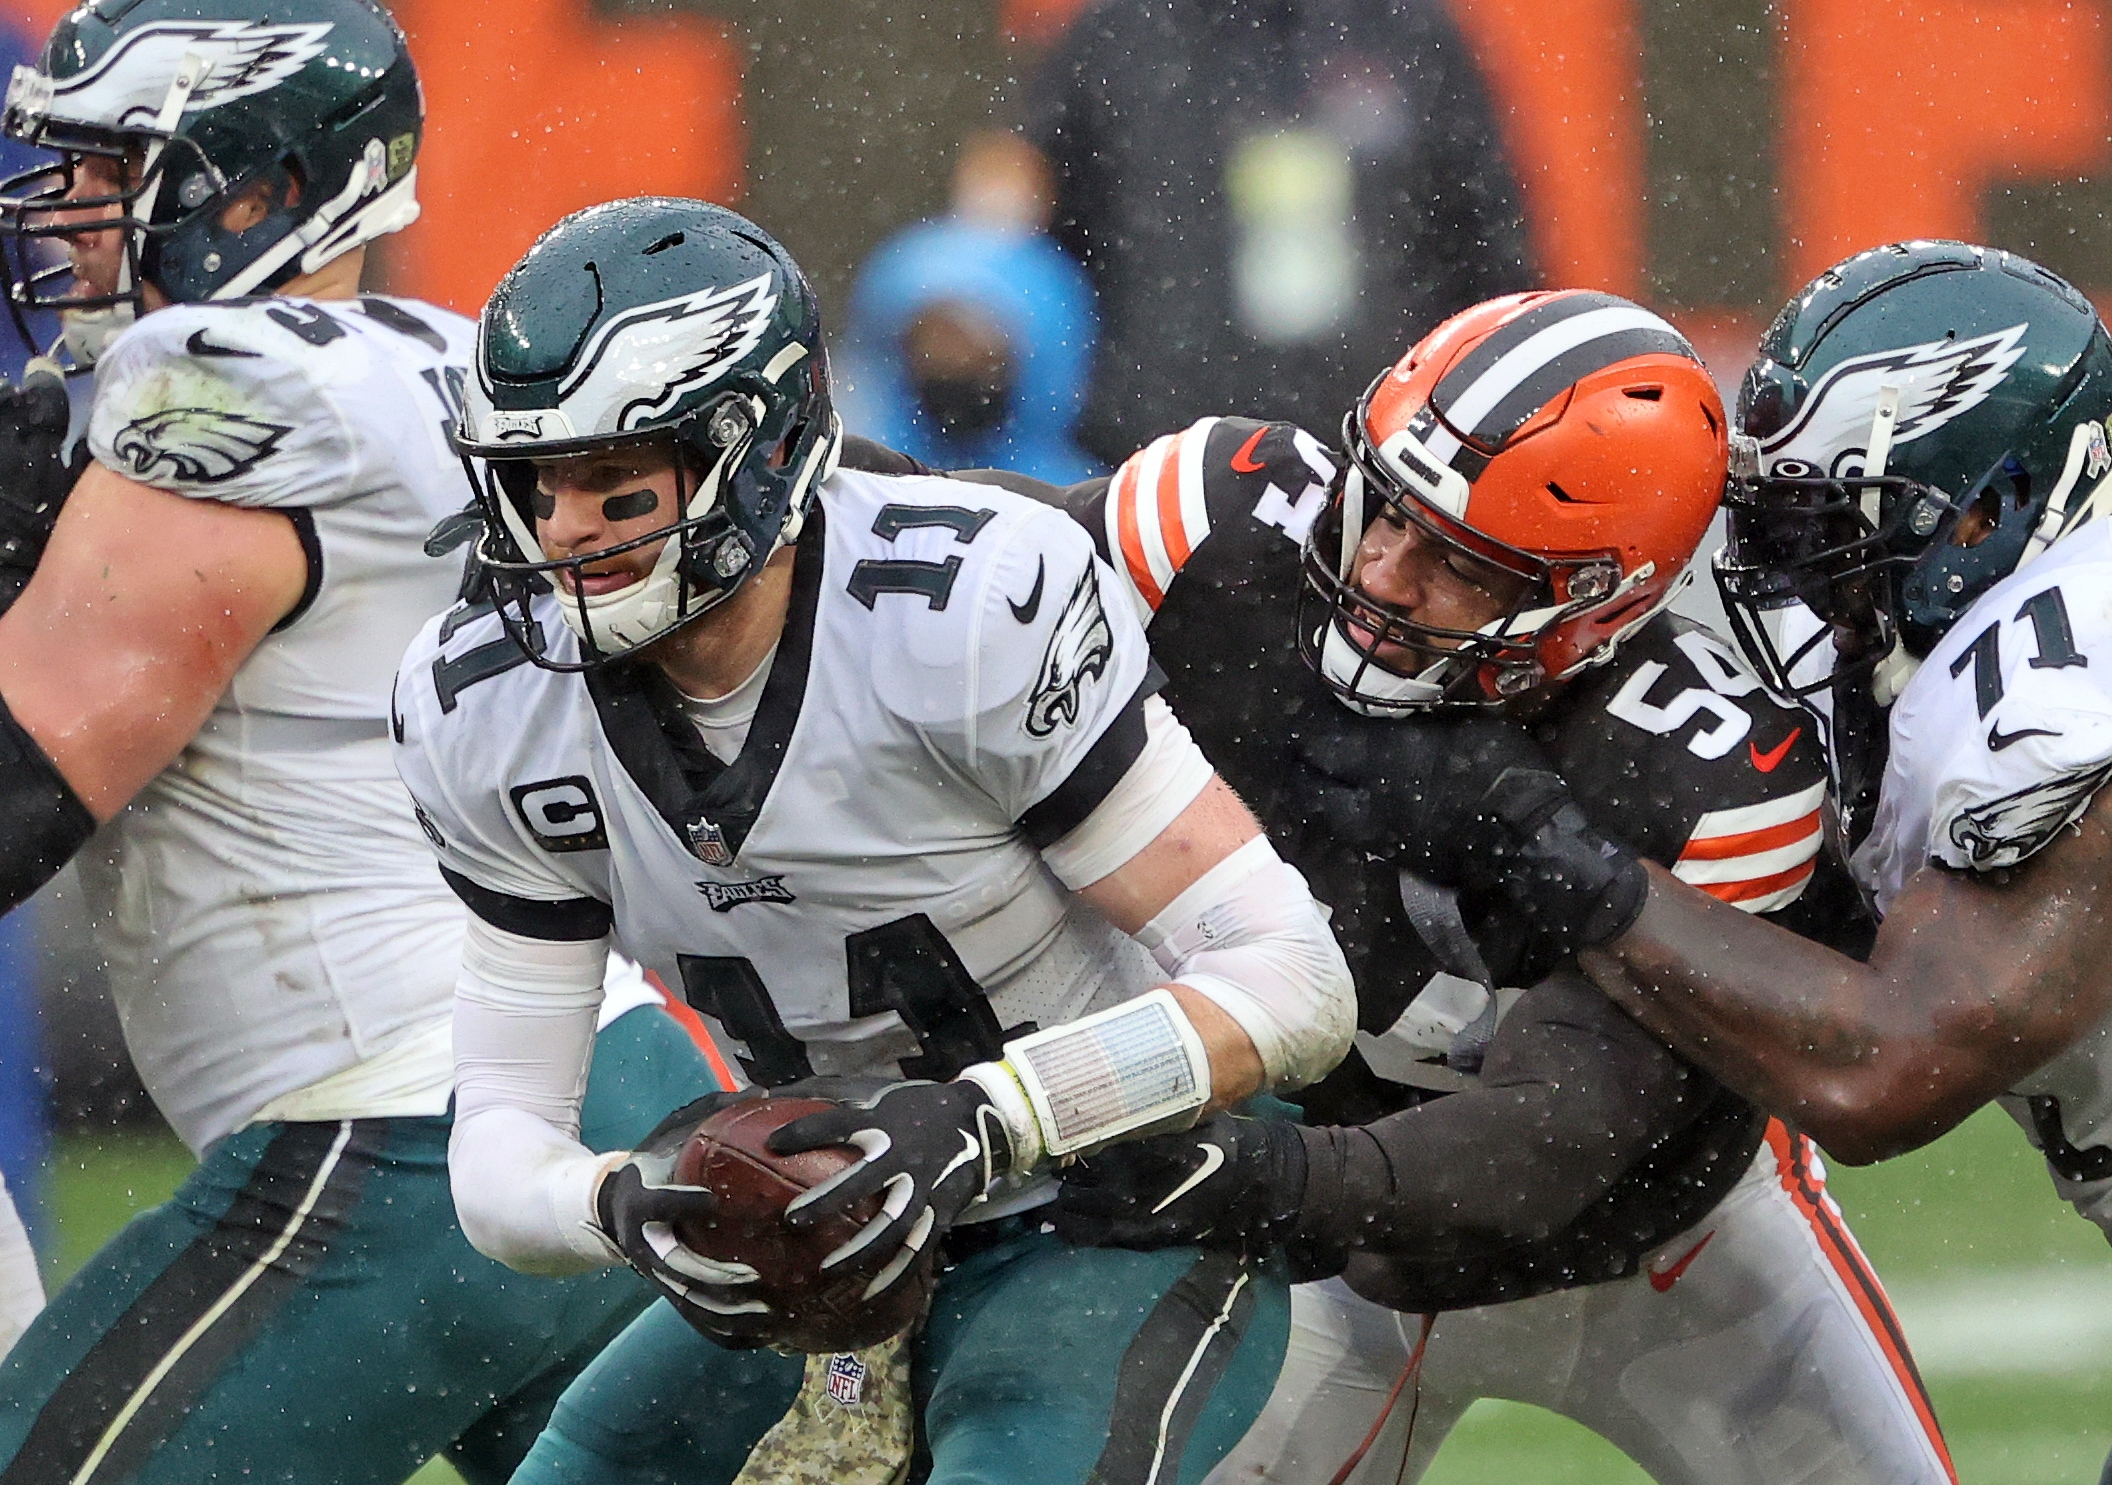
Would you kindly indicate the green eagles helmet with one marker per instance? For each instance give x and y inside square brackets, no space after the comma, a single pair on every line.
[649,319]
[1904,391]
[200,99]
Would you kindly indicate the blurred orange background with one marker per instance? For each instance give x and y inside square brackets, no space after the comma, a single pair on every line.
[1886,119]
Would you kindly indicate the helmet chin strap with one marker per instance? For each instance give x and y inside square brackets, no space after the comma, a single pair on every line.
[2087,435]
[1884,422]
[1352,519]
[1890,675]
[89,332]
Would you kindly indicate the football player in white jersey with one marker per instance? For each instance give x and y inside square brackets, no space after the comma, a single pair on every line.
[197,673]
[872,765]
[1926,471]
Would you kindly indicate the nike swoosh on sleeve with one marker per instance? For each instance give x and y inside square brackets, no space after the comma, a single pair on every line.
[1213,1157]
[1771,760]
[1244,462]
[1025,612]
[198,345]
[1997,739]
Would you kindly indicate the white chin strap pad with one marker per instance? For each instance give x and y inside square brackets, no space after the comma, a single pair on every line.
[1364,685]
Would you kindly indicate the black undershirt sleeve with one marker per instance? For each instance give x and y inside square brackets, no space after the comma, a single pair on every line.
[1572,1095]
[47,823]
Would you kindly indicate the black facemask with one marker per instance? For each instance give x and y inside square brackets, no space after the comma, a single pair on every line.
[964,406]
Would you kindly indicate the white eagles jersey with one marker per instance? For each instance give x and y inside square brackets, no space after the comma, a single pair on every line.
[1998,743]
[270,909]
[958,685]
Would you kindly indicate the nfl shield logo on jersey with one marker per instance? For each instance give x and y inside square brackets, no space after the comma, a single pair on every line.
[846,1379]
[709,843]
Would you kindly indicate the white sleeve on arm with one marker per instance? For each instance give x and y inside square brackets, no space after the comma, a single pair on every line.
[524,1035]
[1166,778]
[1248,935]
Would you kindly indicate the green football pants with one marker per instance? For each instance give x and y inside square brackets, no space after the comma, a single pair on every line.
[1041,1364]
[305,1310]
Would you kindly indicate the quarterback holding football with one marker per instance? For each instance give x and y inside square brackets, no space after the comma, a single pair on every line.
[873,766]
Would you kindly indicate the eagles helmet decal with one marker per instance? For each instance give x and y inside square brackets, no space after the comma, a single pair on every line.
[128,84]
[1995,377]
[1078,652]
[651,321]
[1938,380]
[314,104]
[196,445]
[666,351]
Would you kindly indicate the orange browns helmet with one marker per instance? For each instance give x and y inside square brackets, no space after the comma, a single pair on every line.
[1573,438]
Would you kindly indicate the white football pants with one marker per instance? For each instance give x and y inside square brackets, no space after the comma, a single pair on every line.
[21,1286]
[1756,1348]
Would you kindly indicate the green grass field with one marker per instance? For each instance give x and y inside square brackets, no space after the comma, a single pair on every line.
[2006,1294]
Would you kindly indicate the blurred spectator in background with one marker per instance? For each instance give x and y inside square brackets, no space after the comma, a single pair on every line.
[970,336]
[1271,196]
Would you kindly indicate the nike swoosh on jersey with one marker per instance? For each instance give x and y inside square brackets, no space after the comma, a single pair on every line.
[1662,1279]
[1213,1157]
[1997,739]
[1025,612]
[1770,760]
[198,345]
[1244,461]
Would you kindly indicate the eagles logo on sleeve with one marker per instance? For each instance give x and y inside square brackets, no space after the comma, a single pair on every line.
[195,445]
[2004,831]
[1078,652]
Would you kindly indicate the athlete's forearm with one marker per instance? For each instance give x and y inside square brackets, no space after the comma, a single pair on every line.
[1572,1095]
[1970,986]
[524,1034]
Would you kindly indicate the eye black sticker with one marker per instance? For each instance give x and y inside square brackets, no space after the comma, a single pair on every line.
[630,506]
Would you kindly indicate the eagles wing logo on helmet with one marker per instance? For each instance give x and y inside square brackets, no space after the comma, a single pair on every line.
[670,348]
[1937,382]
[127,85]
[1078,652]
[195,445]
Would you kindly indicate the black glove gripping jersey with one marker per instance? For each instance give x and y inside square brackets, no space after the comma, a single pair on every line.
[1474,1148]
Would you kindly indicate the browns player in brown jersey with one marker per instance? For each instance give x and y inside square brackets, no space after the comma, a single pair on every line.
[1508,1178]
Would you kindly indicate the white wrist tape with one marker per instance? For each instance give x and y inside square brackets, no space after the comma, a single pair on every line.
[1080,1085]
[1247,935]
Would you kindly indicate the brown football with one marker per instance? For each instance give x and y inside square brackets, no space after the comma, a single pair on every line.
[729,1156]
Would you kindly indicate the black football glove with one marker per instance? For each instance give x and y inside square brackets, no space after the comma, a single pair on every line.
[1470,802]
[637,1208]
[1227,1183]
[931,1148]
[35,477]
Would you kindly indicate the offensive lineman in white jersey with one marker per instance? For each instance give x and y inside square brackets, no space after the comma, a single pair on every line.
[199,665]
[868,765]
[1928,476]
